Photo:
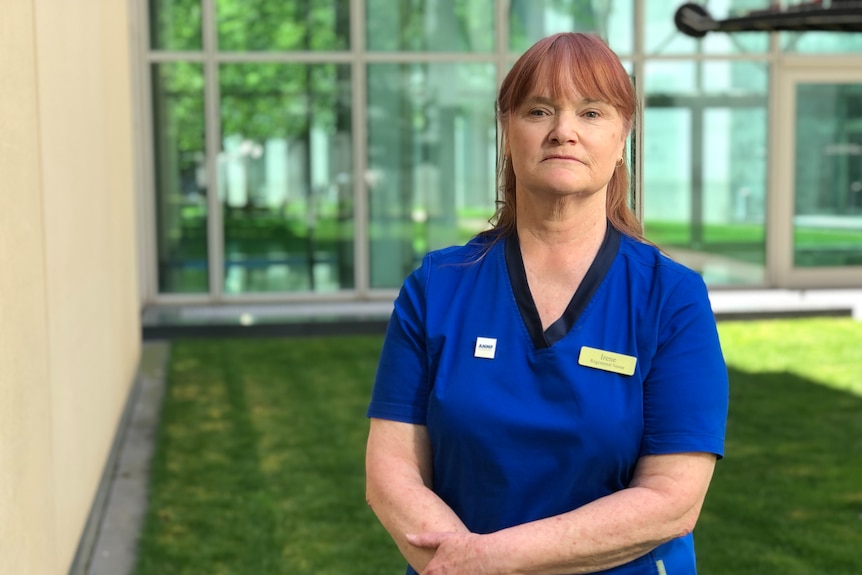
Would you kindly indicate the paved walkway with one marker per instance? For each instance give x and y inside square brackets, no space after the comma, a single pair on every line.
[115,539]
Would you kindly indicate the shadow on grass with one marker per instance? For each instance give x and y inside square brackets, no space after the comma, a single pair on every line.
[788,496]
[259,461]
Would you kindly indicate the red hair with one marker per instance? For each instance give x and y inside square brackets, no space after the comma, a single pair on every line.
[564,63]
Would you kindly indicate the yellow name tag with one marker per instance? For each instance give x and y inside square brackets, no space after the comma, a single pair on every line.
[607,360]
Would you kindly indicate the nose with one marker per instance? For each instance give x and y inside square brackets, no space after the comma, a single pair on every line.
[565,128]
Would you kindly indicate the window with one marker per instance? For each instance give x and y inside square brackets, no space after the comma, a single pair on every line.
[297,152]
[705,163]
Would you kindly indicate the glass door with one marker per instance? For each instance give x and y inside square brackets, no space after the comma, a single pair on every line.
[817,169]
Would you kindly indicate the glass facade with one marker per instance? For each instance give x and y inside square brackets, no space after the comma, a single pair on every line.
[704,174]
[827,220]
[180,177]
[531,20]
[285,177]
[266,25]
[454,26]
[431,161]
[298,151]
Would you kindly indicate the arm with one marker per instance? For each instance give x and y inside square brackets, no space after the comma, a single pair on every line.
[398,481]
[663,502]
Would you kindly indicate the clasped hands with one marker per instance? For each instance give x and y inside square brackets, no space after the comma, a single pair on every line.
[454,553]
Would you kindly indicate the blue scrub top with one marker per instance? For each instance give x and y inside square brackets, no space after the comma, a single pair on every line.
[528,423]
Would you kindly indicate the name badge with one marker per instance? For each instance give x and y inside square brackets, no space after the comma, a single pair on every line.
[607,360]
[486,347]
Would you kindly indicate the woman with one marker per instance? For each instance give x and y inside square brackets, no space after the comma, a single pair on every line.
[551,398]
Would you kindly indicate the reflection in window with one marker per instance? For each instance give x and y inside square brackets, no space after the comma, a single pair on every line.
[451,26]
[705,169]
[285,177]
[251,25]
[827,222]
[532,20]
[181,186]
[821,42]
[175,24]
[431,161]
[662,37]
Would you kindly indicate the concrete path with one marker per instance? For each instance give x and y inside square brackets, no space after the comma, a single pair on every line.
[115,545]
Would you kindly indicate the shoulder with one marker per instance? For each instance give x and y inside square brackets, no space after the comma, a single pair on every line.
[449,266]
[463,258]
[648,260]
[653,278]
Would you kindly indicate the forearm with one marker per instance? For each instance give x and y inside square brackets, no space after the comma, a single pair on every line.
[610,531]
[603,534]
[405,507]
[662,503]
[398,487]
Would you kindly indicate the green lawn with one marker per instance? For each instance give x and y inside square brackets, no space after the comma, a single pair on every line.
[259,460]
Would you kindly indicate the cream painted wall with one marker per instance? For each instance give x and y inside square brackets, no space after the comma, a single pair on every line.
[26,466]
[69,327]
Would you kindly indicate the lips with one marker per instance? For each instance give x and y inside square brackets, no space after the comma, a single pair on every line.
[562,157]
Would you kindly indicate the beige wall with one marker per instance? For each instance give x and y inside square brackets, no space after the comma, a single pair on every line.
[69,328]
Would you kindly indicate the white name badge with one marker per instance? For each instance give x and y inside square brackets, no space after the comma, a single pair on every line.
[486,347]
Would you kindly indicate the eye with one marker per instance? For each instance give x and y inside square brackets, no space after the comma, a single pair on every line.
[592,114]
[538,112]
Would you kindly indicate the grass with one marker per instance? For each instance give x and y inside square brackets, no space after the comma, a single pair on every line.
[259,461]
[788,497]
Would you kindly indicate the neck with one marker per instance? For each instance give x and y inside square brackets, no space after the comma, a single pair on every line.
[568,222]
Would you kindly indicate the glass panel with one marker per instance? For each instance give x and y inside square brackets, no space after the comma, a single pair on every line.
[827,223]
[705,169]
[250,25]
[662,37]
[285,177]
[821,42]
[667,135]
[431,160]
[531,20]
[175,24]
[181,185]
[451,26]
[663,78]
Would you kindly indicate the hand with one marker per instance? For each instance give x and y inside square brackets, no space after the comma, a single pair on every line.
[454,553]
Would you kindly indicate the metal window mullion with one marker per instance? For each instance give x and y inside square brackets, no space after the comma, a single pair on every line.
[501,33]
[501,65]
[145,164]
[212,131]
[639,69]
[359,126]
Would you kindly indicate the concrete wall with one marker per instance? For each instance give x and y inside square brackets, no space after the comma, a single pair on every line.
[69,327]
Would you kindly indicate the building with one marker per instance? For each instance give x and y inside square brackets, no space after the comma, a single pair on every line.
[167,154]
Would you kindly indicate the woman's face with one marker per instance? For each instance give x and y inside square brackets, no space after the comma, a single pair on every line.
[564,147]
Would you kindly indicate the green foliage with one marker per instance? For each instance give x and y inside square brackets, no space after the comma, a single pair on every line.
[179,108]
[265,100]
[249,25]
[175,24]
[423,26]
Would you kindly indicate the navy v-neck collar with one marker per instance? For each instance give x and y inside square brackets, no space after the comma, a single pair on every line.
[582,296]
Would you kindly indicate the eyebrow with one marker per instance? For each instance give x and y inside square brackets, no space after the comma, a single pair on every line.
[550,102]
